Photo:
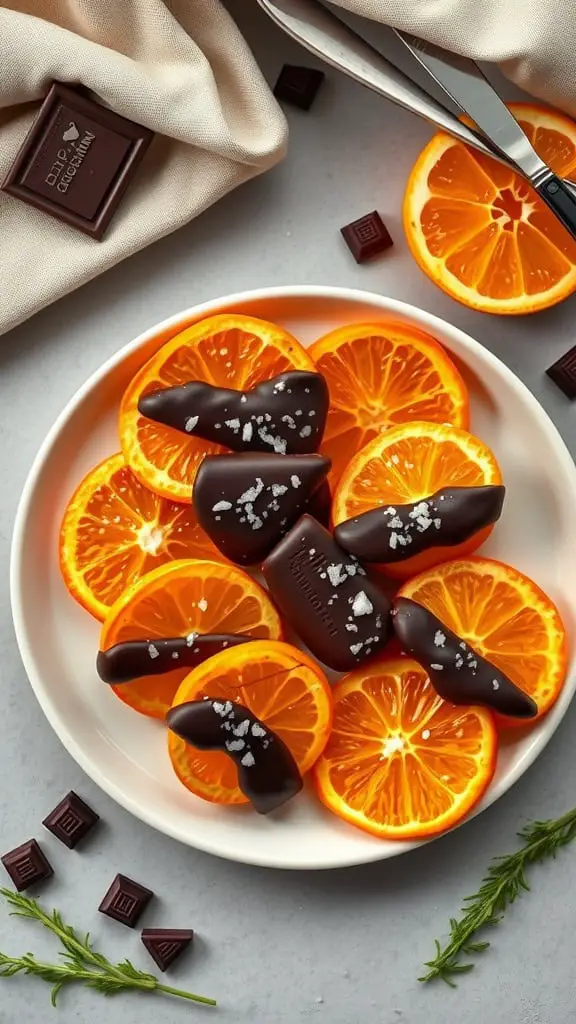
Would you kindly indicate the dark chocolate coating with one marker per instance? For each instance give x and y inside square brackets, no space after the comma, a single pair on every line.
[367,237]
[285,415]
[321,504]
[341,615]
[393,533]
[134,658]
[165,945]
[267,772]
[125,901]
[71,820]
[27,865]
[247,502]
[457,672]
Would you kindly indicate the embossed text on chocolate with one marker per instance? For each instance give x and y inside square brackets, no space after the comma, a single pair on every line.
[69,160]
[297,565]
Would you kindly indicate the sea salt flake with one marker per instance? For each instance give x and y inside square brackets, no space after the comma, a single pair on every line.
[279,386]
[351,627]
[306,431]
[235,745]
[495,684]
[242,728]
[336,574]
[439,638]
[190,424]
[223,708]
[247,431]
[175,655]
[290,421]
[243,399]
[251,493]
[356,648]
[278,490]
[191,639]
[153,651]
[233,424]
[222,506]
[295,480]
[362,605]
[438,668]
[248,761]
[395,523]
[459,661]
[258,731]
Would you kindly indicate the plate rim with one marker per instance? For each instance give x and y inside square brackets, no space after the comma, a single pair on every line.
[388,306]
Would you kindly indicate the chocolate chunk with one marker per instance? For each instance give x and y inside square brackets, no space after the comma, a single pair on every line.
[393,533]
[298,86]
[563,373]
[165,945]
[367,237]
[77,160]
[341,615]
[125,900]
[71,820]
[134,658]
[247,503]
[267,772]
[285,415]
[27,865]
[457,672]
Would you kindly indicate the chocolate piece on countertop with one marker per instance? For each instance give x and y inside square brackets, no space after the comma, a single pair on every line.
[267,772]
[71,820]
[393,533]
[563,373]
[77,160]
[246,503]
[341,615]
[27,865]
[125,900]
[285,415]
[165,945]
[134,658]
[457,672]
[367,237]
[298,85]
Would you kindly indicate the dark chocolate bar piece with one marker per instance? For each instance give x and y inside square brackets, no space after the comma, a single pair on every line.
[393,533]
[298,85]
[285,415]
[367,237]
[125,900]
[165,945]
[27,865]
[134,658]
[267,772]
[341,615]
[247,503]
[457,672]
[77,160]
[71,820]
[563,373]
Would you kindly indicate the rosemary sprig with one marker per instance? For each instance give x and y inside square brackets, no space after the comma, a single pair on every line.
[81,962]
[504,882]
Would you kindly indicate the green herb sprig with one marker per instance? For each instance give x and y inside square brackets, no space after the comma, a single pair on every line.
[503,883]
[80,961]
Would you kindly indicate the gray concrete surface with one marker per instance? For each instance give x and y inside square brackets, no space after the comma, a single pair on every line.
[277,948]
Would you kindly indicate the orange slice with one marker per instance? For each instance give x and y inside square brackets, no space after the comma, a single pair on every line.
[402,763]
[410,463]
[380,375]
[115,530]
[481,233]
[175,600]
[229,350]
[504,616]
[280,684]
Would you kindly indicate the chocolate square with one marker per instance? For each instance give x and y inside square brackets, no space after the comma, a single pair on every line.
[71,820]
[563,373]
[125,900]
[166,944]
[298,85]
[367,237]
[27,865]
[77,160]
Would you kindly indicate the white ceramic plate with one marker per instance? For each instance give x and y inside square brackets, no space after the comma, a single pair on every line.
[124,752]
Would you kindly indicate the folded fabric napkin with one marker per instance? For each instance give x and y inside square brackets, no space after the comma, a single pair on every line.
[181,68]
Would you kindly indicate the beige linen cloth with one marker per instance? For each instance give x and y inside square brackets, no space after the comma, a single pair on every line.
[182,68]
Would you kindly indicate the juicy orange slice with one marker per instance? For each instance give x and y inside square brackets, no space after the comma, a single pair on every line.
[380,375]
[481,233]
[402,763]
[176,600]
[115,530]
[504,616]
[229,350]
[281,685]
[410,463]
